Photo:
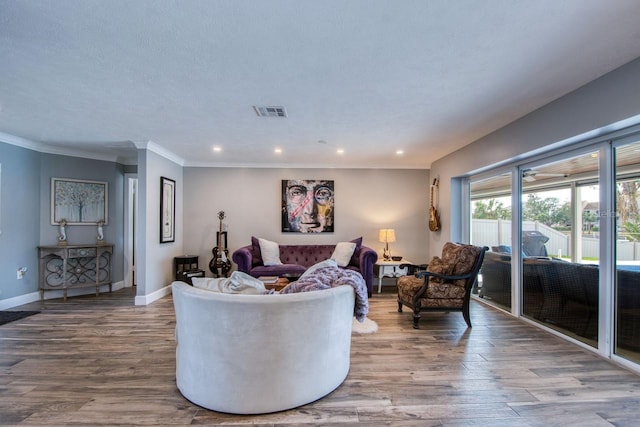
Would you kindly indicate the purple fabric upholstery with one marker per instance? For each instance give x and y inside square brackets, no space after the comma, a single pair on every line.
[297,258]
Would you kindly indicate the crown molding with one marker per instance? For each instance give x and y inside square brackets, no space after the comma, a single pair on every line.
[161,151]
[20,142]
[48,149]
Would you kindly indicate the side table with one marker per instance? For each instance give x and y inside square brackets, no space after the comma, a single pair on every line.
[390,269]
[186,267]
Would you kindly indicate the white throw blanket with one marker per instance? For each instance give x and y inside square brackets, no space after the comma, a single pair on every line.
[237,283]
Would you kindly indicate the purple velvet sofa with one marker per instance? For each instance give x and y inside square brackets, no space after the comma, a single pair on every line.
[297,258]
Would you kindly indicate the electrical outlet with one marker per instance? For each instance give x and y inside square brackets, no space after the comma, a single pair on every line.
[21,272]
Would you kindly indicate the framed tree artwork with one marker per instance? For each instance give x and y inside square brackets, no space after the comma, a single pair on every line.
[167,210]
[78,202]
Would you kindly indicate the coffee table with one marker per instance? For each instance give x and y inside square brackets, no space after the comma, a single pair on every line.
[280,283]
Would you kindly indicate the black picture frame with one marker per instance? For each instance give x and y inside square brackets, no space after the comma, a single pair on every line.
[167,210]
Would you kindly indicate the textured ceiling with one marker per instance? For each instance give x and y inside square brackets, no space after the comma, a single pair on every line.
[369,77]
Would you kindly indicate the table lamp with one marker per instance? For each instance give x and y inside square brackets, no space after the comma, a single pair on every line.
[387,235]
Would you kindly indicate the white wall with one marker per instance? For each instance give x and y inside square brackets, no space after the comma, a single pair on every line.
[155,259]
[609,103]
[365,201]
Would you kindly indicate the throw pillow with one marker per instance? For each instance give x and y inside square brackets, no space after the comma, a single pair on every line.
[355,259]
[437,265]
[343,252]
[270,252]
[256,256]
[208,283]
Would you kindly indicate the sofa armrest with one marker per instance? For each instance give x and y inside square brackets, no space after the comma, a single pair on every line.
[244,258]
[368,258]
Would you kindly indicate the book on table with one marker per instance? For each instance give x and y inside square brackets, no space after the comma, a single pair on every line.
[268,279]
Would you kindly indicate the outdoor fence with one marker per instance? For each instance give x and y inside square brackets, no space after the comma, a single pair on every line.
[492,232]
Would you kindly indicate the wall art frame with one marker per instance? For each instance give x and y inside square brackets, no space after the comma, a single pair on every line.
[79,201]
[167,210]
[308,206]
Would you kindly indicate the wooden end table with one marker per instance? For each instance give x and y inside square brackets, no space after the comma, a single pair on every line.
[390,269]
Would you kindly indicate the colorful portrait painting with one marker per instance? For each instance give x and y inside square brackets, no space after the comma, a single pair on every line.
[307,206]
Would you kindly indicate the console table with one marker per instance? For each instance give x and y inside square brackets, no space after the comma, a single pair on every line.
[74,266]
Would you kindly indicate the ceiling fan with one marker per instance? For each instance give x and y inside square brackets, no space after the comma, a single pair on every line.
[530,175]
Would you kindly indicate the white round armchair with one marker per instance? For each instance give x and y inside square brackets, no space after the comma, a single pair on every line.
[252,354]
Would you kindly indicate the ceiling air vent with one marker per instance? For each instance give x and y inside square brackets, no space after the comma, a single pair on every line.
[270,111]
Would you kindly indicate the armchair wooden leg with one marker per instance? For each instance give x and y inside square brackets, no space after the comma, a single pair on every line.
[465,314]
[399,307]
[416,319]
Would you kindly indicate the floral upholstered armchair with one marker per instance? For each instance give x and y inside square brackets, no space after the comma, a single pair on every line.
[445,285]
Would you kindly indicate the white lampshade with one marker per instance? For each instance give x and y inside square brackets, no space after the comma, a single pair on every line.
[387,235]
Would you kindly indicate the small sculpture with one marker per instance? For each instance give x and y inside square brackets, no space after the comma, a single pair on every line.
[62,237]
[100,232]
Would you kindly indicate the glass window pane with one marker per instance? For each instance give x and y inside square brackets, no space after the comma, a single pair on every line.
[627,292]
[491,226]
[560,273]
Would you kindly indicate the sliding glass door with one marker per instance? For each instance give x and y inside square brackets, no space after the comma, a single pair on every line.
[575,220]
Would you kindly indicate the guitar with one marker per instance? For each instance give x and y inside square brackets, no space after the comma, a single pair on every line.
[220,259]
[434,217]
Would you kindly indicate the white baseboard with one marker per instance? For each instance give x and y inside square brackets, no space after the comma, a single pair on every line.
[19,300]
[154,296]
[35,296]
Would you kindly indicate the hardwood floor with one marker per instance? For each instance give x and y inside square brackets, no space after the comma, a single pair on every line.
[103,361]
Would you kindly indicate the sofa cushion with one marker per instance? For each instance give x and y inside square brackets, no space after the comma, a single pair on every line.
[343,252]
[256,255]
[445,291]
[408,286]
[270,252]
[437,265]
[355,258]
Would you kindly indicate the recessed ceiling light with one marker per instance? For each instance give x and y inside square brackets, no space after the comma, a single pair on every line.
[217,149]
[340,151]
[399,152]
[278,150]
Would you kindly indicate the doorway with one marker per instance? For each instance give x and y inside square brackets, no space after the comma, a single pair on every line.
[130,226]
